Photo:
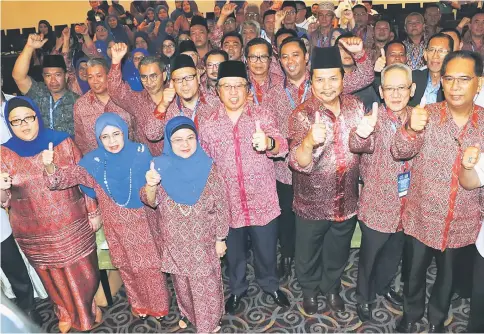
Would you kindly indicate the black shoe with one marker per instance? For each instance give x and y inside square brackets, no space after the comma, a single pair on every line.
[393,297]
[285,266]
[280,298]
[436,328]
[335,302]
[310,305]
[35,317]
[232,303]
[405,326]
[364,312]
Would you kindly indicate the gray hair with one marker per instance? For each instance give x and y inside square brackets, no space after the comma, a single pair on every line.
[153,60]
[397,66]
[251,23]
[98,62]
[415,14]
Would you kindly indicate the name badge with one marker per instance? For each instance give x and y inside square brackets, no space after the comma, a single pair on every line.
[97,17]
[403,183]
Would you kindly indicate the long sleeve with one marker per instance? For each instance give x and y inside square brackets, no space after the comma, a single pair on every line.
[270,129]
[79,135]
[68,177]
[119,91]
[361,145]
[360,78]
[220,196]
[404,146]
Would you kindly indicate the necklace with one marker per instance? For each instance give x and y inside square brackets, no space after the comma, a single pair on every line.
[109,191]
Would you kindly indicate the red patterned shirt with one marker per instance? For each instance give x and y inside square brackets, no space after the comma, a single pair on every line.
[327,189]
[415,53]
[248,174]
[440,213]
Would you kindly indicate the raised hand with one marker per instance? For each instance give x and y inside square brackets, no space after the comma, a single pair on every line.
[352,44]
[368,123]
[153,178]
[66,33]
[465,21]
[118,51]
[380,62]
[168,95]
[48,158]
[36,41]
[5,181]
[227,9]
[81,29]
[471,156]
[419,117]
[317,134]
[280,16]
[259,138]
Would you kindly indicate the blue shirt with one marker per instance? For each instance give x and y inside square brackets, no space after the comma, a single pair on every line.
[431,91]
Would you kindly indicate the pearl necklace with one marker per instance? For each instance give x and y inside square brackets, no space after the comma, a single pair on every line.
[109,191]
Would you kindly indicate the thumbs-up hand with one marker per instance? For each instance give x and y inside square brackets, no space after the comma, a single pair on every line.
[317,133]
[48,158]
[368,123]
[153,178]
[259,138]
[168,95]
[5,181]
[471,156]
[419,117]
[380,62]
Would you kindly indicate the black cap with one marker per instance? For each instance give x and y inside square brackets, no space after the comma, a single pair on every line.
[54,61]
[232,68]
[182,61]
[187,45]
[289,4]
[17,102]
[198,20]
[326,58]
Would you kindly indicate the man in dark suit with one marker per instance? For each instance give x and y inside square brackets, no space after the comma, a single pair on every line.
[395,53]
[428,80]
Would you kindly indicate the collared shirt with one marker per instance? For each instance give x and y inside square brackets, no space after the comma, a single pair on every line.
[431,91]
[5,228]
[249,175]
[305,24]
[87,110]
[439,212]
[326,189]
[366,33]
[61,110]
[468,44]
[415,52]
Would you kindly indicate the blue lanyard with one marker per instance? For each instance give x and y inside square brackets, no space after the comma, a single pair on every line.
[255,95]
[303,98]
[51,111]
[181,109]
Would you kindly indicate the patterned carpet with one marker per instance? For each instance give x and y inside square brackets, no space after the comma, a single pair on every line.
[257,312]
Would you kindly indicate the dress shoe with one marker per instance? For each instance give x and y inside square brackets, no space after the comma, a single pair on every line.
[35,317]
[335,302]
[405,326]
[310,305]
[280,298]
[436,328]
[232,303]
[393,297]
[285,266]
[364,311]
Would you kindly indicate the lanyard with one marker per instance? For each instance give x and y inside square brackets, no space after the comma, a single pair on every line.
[51,111]
[303,98]
[395,126]
[181,109]
[256,100]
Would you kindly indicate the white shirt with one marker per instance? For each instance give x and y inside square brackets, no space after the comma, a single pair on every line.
[479,99]
[479,168]
[305,24]
[5,228]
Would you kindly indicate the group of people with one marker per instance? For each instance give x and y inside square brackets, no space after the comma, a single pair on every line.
[268,124]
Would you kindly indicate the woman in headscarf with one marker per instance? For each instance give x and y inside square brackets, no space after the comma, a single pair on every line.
[45,28]
[130,69]
[55,229]
[114,174]
[183,21]
[193,220]
[149,18]
[119,32]
[142,41]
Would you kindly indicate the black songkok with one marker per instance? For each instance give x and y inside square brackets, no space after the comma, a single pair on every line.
[199,21]
[326,58]
[232,68]
[182,61]
[187,46]
[54,61]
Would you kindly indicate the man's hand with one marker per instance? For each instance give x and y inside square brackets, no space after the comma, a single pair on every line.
[36,41]
[118,51]
[352,44]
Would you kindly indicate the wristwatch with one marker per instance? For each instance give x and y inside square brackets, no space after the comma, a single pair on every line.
[272,145]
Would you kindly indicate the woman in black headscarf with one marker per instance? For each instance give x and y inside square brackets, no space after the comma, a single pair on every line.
[45,28]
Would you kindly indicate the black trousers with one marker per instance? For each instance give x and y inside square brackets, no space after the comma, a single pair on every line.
[380,255]
[264,248]
[476,318]
[418,257]
[14,268]
[286,221]
[322,251]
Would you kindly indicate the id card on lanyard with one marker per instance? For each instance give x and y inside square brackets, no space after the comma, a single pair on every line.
[178,103]
[256,100]
[51,111]
[291,100]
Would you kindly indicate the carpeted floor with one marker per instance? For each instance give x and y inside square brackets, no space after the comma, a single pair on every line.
[258,313]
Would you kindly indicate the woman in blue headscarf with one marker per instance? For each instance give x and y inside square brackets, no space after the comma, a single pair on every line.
[55,229]
[193,220]
[119,32]
[130,69]
[114,174]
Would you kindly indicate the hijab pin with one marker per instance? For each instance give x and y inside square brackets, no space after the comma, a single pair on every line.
[96,159]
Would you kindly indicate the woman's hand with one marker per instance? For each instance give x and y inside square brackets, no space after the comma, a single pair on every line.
[220,248]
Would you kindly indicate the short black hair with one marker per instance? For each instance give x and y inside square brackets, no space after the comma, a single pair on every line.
[297,40]
[215,52]
[283,31]
[348,34]
[476,13]
[395,41]
[368,1]
[289,4]
[258,41]
[441,35]
[232,34]
[360,6]
[300,3]
[267,13]
[384,20]
[464,54]
[430,5]
[455,31]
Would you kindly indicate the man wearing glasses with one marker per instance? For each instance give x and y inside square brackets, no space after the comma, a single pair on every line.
[428,80]
[440,218]
[242,139]
[322,37]
[212,62]
[290,8]
[301,13]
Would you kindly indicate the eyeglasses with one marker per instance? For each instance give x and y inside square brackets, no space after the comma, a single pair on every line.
[254,59]
[18,122]
[229,21]
[440,52]
[228,88]
[461,80]
[151,77]
[213,65]
[252,15]
[180,141]
[291,12]
[327,15]
[187,78]
[140,58]
[169,46]
[400,89]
